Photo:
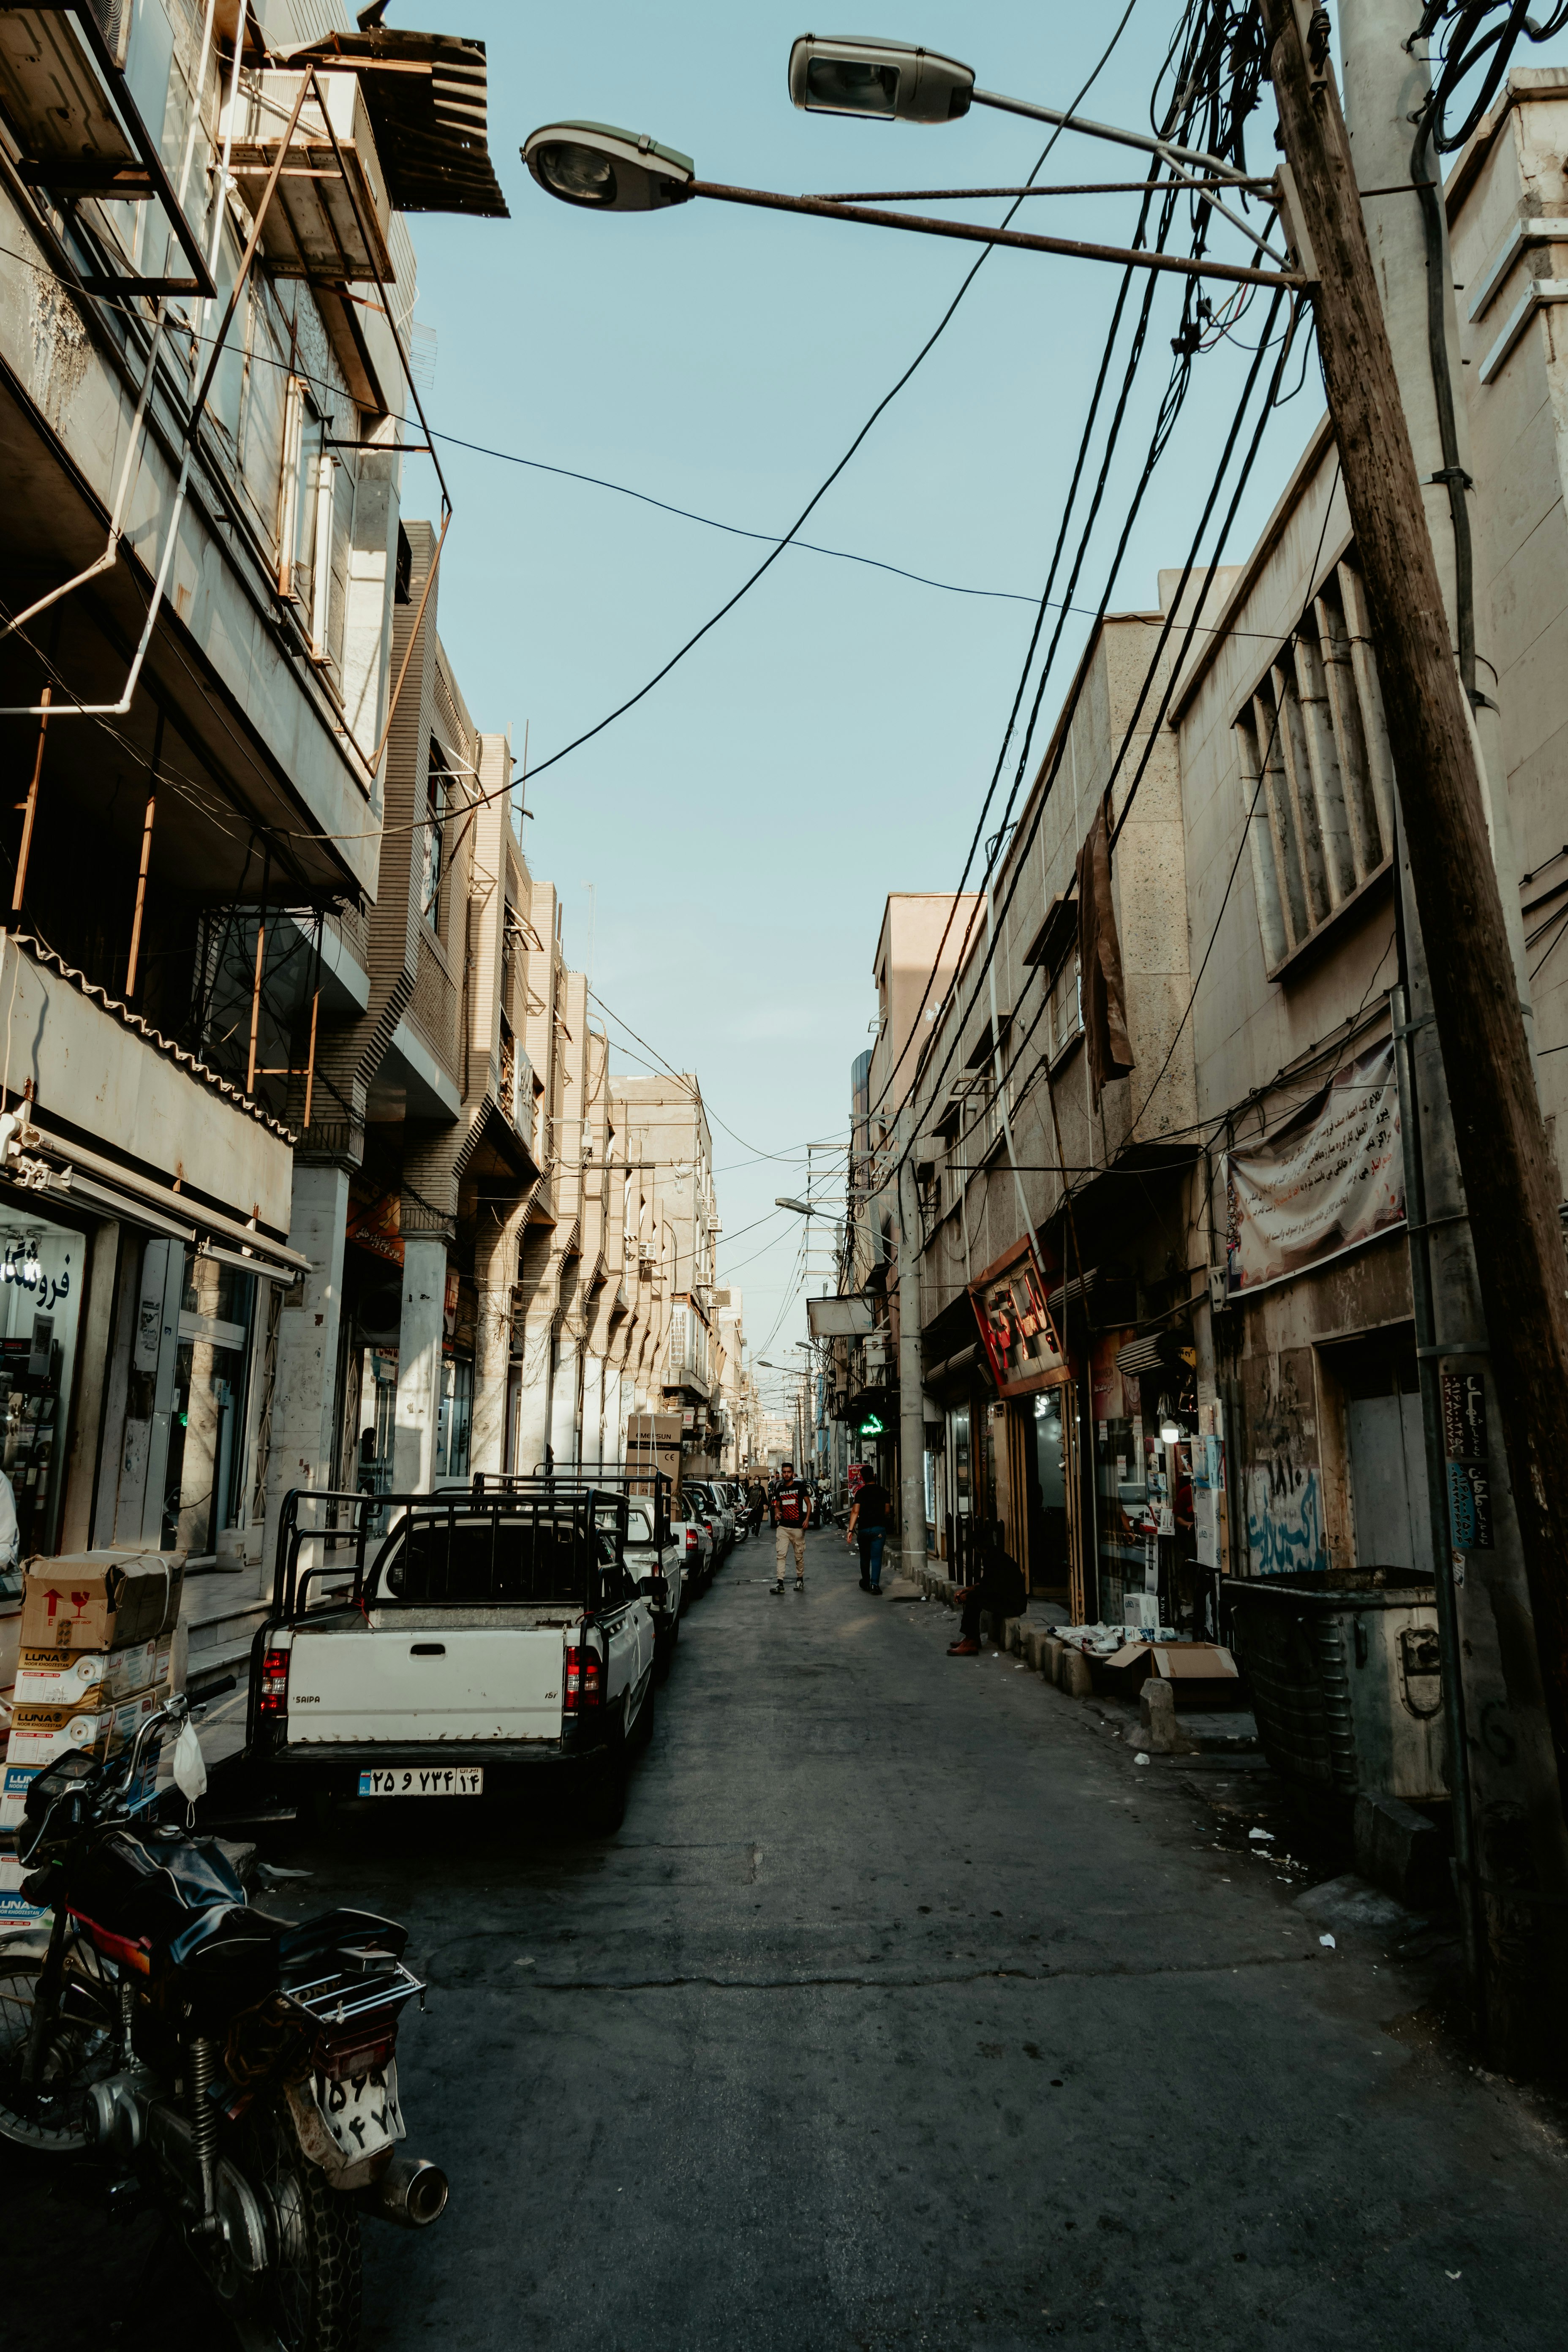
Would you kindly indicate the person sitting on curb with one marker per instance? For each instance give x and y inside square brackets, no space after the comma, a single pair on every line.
[868,1522]
[1000,1590]
[788,1507]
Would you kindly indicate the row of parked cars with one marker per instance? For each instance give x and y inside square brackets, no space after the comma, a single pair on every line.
[502,1637]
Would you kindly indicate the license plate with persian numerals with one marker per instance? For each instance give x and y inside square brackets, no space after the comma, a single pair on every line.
[424,1781]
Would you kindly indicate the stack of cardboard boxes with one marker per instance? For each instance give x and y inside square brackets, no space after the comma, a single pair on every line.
[96,1658]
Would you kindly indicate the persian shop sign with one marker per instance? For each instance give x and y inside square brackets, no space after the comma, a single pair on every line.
[1015,1329]
[1331,1180]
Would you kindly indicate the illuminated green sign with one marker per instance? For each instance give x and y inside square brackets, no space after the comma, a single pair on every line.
[872,1427]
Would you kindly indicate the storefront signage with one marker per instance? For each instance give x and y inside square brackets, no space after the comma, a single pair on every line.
[376,1227]
[1326,1183]
[1015,1329]
[20,1264]
[871,1427]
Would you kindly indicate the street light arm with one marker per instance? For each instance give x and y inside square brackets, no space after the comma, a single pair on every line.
[1142,140]
[1168,152]
[972,233]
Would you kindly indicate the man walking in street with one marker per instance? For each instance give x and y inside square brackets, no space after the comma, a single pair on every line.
[868,1525]
[787,1507]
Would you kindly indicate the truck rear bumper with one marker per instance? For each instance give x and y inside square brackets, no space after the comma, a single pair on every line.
[332,1768]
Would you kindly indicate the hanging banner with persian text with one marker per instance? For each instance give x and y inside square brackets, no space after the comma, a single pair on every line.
[1328,1182]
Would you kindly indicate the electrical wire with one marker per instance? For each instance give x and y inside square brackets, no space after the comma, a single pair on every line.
[1045,781]
[1183,344]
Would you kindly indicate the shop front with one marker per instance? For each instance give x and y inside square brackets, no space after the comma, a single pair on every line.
[1022,1445]
[141,1261]
[42,1278]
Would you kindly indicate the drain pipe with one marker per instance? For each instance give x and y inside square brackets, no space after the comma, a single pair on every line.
[1426,1354]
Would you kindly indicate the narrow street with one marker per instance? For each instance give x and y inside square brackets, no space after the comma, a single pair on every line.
[904,2010]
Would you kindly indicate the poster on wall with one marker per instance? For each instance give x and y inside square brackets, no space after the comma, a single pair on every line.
[1015,1329]
[1325,1183]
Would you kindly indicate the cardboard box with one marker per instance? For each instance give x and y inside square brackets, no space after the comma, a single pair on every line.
[100,1600]
[15,1780]
[39,1734]
[86,1677]
[1194,1661]
[15,1911]
[1199,1672]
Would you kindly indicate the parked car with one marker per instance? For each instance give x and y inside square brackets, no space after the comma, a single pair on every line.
[653,1555]
[492,1639]
[705,1492]
[729,1495]
[691,1530]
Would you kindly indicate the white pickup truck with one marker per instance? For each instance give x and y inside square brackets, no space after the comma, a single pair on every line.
[473,1643]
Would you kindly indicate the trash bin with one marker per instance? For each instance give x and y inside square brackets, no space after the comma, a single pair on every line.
[1346,1683]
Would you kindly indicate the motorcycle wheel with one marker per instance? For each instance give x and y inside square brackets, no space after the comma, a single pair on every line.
[82,2047]
[312,2285]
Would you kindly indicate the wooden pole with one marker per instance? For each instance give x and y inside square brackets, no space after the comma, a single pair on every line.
[31,803]
[151,812]
[1509,1189]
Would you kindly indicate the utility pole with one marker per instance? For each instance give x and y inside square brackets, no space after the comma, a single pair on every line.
[1499,1272]
[911,1384]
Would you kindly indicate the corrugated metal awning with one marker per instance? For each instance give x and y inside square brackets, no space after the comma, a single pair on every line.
[428,97]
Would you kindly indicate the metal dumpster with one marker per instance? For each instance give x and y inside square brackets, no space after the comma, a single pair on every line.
[1346,1683]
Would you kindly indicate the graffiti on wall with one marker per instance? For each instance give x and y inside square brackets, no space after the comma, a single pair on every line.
[1283,1485]
[1284,1526]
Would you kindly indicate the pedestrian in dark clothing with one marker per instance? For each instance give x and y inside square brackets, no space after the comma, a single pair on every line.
[999,1590]
[869,1526]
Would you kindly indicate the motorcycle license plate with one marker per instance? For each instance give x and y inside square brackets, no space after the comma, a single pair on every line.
[362,2111]
[424,1781]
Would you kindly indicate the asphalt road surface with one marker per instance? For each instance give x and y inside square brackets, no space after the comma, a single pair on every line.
[905,2010]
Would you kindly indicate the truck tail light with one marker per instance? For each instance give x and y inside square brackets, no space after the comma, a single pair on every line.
[272,1700]
[584,1679]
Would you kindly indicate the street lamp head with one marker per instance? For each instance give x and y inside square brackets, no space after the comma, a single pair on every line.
[801,1208]
[886,81]
[610,170]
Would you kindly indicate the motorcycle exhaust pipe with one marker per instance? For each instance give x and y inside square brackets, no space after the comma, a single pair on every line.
[412,2193]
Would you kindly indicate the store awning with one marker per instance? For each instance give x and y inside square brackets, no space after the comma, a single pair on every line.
[427,95]
[88,1178]
[1157,1351]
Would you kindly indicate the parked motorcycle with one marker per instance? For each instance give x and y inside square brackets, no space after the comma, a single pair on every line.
[237,2072]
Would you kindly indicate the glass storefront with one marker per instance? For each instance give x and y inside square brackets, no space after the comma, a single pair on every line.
[455,1421]
[42,1267]
[203,1482]
[1049,1456]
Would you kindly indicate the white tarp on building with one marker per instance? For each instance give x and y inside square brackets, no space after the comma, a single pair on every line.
[1324,1184]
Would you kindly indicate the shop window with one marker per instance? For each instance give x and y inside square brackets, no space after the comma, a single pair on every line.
[1317,777]
[40,1287]
[454,1420]
[204,1479]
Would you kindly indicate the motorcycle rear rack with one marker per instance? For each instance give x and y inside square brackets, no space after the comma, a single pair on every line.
[343,1994]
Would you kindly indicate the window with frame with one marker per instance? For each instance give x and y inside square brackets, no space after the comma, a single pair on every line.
[1317,776]
[437,786]
[1066,1003]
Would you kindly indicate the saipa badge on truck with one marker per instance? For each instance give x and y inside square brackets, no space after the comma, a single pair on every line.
[456,1644]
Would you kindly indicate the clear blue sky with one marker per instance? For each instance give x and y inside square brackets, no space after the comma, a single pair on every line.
[832,740]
